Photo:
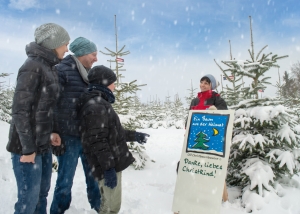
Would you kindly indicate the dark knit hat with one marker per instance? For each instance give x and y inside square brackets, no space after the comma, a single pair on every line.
[51,36]
[82,46]
[101,75]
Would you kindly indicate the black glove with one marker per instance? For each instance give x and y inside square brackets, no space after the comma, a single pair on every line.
[59,150]
[110,178]
[141,137]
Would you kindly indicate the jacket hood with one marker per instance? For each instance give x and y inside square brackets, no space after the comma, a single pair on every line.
[86,97]
[35,50]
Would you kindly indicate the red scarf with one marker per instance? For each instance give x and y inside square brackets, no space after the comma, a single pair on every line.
[203,96]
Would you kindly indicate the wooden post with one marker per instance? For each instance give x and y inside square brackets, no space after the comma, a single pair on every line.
[225,193]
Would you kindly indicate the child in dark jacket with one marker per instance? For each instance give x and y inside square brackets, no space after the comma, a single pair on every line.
[103,137]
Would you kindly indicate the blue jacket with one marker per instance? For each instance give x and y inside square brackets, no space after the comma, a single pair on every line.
[66,121]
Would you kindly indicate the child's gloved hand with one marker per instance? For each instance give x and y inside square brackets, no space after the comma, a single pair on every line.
[141,137]
[110,178]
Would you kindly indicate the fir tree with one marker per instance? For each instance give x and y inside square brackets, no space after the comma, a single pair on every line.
[295,68]
[178,112]
[191,95]
[289,93]
[124,92]
[264,148]
[200,141]
[139,153]
[279,85]
[136,115]
[124,96]
[167,113]
[254,68]
[6,97]
[288,88]
[232,95]
[156,116]
[265,145]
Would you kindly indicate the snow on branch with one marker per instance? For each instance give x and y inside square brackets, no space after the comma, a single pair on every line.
[284,157]
[260,174]
[251,139]
[252,201]
[286,133]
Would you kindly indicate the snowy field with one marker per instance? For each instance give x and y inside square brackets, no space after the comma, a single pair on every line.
[148,191]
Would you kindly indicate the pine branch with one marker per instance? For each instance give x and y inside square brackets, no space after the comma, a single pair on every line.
[260,52]
[251,55]
[281,57]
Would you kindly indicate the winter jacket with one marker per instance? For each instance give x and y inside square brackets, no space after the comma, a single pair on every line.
[35,97]
[66,121]
[102,135]
[206,99]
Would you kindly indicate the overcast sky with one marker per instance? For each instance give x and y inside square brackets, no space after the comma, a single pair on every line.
[170,42]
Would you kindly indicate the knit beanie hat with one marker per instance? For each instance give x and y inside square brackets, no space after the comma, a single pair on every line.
[214,83]
[82,46]
[51,36]
[101,75]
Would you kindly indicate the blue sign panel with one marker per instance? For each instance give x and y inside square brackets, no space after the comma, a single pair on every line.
[207,133]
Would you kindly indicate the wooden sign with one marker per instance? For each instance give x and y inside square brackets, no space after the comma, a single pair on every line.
[203,163]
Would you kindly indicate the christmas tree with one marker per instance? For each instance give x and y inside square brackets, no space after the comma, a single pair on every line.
[178,112]
[232,95]
[200,141]
[264,148]
[124,97]
[6,97]
[254,68]
[191,95]
[295,68]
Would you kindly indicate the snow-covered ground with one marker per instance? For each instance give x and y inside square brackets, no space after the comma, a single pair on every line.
[147,191]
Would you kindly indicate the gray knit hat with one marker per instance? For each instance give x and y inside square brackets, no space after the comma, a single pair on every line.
[214,82]
[51,36]
[82,46]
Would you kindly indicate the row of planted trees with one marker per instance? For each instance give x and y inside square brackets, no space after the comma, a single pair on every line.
[265,143]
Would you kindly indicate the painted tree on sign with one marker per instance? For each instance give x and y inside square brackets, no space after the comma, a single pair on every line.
[200,141]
